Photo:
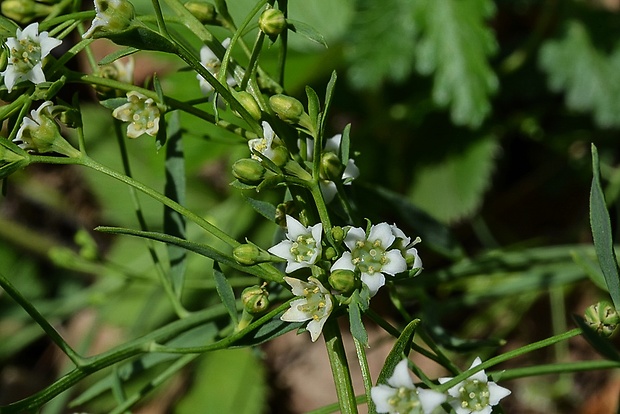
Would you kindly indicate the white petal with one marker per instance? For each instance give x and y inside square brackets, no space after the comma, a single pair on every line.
[333,144]
[48,43]
[317,231]
[207,56]
[344,262]
[294,228]
[399,234]
[315,326]
[296,285]
[226,43]
[36,75]
[329,190]
[430,399]
[396,262]
[292,265]
[497,393]
[400,377]
[374,282]
[460,410]
[350,172]
[354,234]
[383,233]
[133,131]
[31,31]
[380,396]
[268,133]
[11,77]
[293,314]
[417,262]
[282,250]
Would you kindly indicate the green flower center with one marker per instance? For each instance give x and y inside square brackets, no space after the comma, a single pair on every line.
[369,257]
[26,55]
[474,395]
[303,248]
[315,304]
[406,401]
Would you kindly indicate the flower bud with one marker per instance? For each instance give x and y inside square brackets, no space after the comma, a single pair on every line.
[330,253]
[249,103]
[24,11]
[248,170]
[203,11]
[272,22]
[113,16]
[338,234]
[602,317]
[250,254]
[330,168]
[288,109]
[255,299]
[342,280]
[280,155]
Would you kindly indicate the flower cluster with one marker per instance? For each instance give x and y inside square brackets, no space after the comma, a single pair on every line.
[385,250]
[141,112]
[475,394]
[26,53]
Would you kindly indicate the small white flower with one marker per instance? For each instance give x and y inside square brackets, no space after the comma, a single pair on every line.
[314,304]
[402,396]
[26,53]
[302,247]
[112,16]
[212,63]
[476,394]
[39,124]
[142,113]
[264,145]
[405,245]
[371,255]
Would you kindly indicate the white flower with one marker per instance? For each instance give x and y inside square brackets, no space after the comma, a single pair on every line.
[402,396]
[212,63]
[141,112]
[314,305]
[371,255]
[410,253]
[264,145]
[26,53]
[476,394]
[302,247]
[112,16]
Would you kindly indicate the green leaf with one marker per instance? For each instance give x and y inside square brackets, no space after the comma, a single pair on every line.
[225,291]
[113,103]
[314,106]
[399,351]
[600,344]
[174,223]
[589,79]
[263,208]
[355,319]
[454,45]
[345,144]
[601,233]
[306,31]
[121,53]
[162,136]
[268,331]
[462,179]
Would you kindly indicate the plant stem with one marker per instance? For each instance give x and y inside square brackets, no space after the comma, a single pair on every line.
[366,377]
[340,368]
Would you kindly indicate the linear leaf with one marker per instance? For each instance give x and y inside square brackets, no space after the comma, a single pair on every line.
[126,51]
[226,292]
[399,351]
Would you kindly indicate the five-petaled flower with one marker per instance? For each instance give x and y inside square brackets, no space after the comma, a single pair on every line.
[302,247]
[314,304]
[265,145]
[476,394]
[142,113]
[212,63]
[402,396]
[26,53]
[371,255]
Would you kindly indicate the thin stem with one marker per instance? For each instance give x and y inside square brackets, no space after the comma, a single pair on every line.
[366,377]
[339,366]
[161,23]
[283,6]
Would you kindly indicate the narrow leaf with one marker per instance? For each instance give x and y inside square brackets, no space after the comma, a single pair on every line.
[399,351]
[314,106]
[306,31]
[601,233]
[345,144]
[226,292]
[162,133]
[355,319]
[263,208]
[174,223]
[121,53]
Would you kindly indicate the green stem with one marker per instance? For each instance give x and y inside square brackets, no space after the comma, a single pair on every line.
[366,377]
[555,368]
[339,366]
[161,23]
[283,6]
[509,355]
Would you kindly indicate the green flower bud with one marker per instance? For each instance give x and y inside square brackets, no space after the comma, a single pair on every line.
[280,155]
[203,11]
[338,234]
[603,318]
[249,103]
[248,170]
[342,280]
[330,253]
[113,16]
[255,299]
[250,254]
[287,108]
[24,11]
[330,168]
[272,22]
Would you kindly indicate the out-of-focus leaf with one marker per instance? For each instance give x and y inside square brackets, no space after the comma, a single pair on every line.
[454,45]
[589,79]
[239,373]
[453,189]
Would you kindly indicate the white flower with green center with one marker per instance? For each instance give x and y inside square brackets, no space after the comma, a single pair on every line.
[212,63]
[302,247]
[371,255]
[476,394]
[405,245]
[141,112]
[26,53]
[314,304]
[402,396]
[264,145]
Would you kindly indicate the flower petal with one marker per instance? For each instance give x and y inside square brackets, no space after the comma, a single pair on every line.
[297,285]
[294,314]
[400,377]
[395,264]
[497,393]
[374,282]
[282,250]
[294,228]
[383,233]
[430,399]
[381,395]
[344,262]
[354,234]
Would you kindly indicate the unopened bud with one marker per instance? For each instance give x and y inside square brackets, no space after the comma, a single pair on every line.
[272,22]
[248,170]
[603,318]
[249,254]
[255,299]
[280,155]
[113,16]
[203,11]
[288,109]
[24,11]
[330,253]
[338,234]
[249,103]
[342,280]
[331,168]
